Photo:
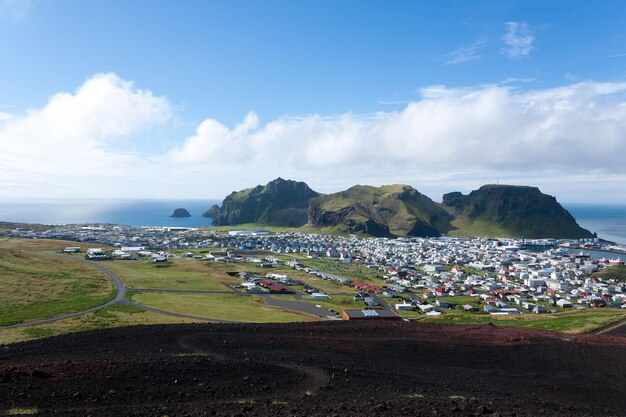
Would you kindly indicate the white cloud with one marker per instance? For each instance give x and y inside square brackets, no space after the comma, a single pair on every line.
[71,141]
[449,138]
[466,53]
[492,130]
[518,40]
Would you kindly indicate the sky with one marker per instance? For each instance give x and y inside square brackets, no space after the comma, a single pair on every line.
[195,99]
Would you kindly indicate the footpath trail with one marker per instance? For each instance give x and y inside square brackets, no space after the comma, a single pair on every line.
[119,297]
[614,328]
[122,289]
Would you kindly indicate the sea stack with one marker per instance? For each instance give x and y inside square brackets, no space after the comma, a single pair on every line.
[180,212]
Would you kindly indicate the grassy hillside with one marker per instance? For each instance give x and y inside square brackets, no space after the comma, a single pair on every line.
[510,211]
[380,211]
[400,210]
[278,203]
[617,272]
[35,286]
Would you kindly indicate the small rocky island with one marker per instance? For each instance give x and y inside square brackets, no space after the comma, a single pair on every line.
[181,212]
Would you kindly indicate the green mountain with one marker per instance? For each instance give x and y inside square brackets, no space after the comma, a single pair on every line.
[390,210]
[400,210]
[279,203]
[510,211]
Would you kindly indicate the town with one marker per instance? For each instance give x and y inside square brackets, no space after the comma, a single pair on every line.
[429,276]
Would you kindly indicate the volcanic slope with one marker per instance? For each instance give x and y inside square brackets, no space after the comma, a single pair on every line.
[511,211]
[316,369]
[390,210]
[278,203]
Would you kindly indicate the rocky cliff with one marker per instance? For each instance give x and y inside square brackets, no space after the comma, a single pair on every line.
[278,203]
[401,210]
[392,210]
[180,212]
[511,211]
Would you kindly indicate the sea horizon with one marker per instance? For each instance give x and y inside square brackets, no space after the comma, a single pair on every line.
[607,220]
[123,211]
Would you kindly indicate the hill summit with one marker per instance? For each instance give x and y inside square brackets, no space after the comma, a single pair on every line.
[390,210]
[510,210]
[278,203]
[401,210]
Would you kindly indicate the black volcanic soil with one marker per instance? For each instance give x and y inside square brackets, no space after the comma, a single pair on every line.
[316,369]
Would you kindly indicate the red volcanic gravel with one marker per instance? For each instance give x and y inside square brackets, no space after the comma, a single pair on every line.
[316,369]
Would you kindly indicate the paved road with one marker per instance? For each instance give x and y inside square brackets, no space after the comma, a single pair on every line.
[172,314]
[383,303]
[182,291]
[120,298]
[297,306]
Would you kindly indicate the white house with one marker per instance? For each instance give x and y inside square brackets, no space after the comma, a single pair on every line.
[563,303]
[404,306]
[320,296]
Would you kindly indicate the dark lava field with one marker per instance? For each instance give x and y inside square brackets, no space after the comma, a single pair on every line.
[316,369]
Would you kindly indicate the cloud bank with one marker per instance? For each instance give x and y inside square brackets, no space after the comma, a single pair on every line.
[577,128]
[76,144]
[74,141]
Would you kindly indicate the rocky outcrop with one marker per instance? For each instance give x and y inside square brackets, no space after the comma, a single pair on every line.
[513,210]
[392,210]
[180,212]
[278,203]
[401,210]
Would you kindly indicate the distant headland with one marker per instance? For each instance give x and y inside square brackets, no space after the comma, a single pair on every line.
[401,210]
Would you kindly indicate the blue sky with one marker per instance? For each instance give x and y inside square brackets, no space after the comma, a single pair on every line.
[207,97]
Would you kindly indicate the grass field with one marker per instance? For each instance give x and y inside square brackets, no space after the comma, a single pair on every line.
[337,303]
[178,274]
[336,267]
[567,322]
[113,316]
[45,245]
[192,274]
[34,286]
[248,308]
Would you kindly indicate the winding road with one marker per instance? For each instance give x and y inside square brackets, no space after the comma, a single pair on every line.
[120,298]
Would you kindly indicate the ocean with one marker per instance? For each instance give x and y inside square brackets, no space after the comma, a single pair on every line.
[609,221]
[127,212]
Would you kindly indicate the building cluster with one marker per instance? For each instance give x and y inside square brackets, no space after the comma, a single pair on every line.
[503,276]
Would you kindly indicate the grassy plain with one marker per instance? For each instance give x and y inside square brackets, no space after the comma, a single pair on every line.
[35,285]
[177,274]
[114,316]
[337,303]
[344,269]
[577,321]
[192,274]
[45,245]
[248,308]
